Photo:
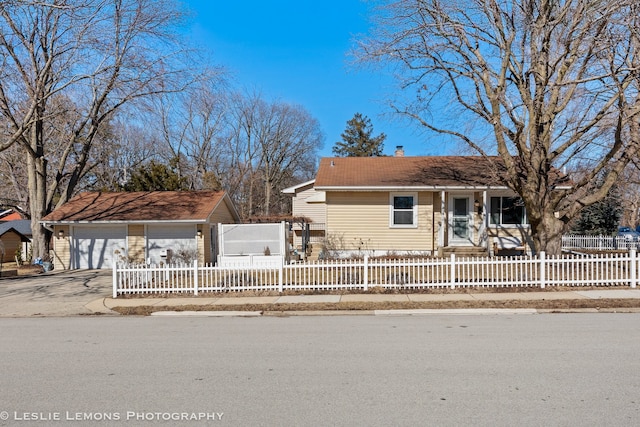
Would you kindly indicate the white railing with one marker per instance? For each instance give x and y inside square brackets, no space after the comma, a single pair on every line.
[541,271]
[599,243]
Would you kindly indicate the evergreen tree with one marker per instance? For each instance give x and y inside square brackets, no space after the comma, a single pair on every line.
[156,177]
[357,140]
[601,218]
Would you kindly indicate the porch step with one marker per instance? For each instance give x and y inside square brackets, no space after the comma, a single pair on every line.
[464,251]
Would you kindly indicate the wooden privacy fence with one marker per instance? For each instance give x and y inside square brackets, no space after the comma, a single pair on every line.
[575,270]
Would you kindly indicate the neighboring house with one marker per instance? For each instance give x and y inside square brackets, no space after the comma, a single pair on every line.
[425,205]
[11,215]
[308,203]
[93,229]
[14,235]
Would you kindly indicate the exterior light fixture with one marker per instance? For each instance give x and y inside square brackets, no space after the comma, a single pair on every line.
[199,233]
[60,234]
[478,206]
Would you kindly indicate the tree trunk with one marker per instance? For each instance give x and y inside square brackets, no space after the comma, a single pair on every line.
[547,234]
[37,185]
[38,206]
[267,197]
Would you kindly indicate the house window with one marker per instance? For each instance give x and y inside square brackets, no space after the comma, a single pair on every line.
[404,209]
[507,211]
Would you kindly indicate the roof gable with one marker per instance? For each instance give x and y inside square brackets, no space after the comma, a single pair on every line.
[23,226]
[138,206]
[21,236]
[298,188]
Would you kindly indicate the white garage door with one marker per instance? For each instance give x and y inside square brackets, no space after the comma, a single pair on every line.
[94,246]
[177,238]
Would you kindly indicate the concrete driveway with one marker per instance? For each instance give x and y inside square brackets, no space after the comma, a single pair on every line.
[64,293]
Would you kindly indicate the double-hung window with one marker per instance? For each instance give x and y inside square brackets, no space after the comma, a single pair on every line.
[403,210]
[507,211]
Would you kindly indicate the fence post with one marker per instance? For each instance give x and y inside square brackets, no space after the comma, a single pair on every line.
[281,275]
[452,271]
[366,273]
[115,279]
[195,277]
[542,257]
[634,265]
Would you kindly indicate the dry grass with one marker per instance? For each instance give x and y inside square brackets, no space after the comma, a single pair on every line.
[377,290]
[559,305]
[11,269]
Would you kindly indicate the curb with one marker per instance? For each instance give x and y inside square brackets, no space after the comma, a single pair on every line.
[457,311]
[207,314]
[99,307]
[383,313]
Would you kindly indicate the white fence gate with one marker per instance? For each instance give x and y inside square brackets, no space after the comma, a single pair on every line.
[252,245]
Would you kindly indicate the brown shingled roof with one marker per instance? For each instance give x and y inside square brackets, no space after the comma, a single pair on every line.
[138,206]
[436,171]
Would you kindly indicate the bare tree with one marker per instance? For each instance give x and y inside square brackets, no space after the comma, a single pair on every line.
[287,138]
[266,146]
[191,124]
[546,82]
[120,149]
[96,56]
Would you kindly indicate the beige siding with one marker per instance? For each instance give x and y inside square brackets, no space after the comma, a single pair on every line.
[360,220]
[316,212]
[204,243]
[136,243]
[222,215]
[439,218]
[61,248]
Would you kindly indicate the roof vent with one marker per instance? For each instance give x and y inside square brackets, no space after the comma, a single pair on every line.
[399,151]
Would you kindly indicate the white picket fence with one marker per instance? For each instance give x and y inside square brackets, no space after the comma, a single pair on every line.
[598,243]
[541,271]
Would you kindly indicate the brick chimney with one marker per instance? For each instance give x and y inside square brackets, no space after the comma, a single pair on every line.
[399,151]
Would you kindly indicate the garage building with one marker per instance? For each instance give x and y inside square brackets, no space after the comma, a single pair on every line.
[94,229]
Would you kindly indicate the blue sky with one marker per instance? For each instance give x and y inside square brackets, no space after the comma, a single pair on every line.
[296,51]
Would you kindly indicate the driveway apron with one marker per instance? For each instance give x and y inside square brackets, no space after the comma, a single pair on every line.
[64,293]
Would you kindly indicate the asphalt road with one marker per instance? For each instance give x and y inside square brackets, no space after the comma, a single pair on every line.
[498,370]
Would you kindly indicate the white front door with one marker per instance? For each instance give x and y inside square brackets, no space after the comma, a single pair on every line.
[460,220]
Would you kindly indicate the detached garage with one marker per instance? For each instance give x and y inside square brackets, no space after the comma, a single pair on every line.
[94,229]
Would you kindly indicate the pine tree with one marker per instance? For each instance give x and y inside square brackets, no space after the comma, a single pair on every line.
[357,140]
[601,218]
[156,177]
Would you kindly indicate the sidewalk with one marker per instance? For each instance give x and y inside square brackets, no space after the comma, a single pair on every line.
[105,305]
